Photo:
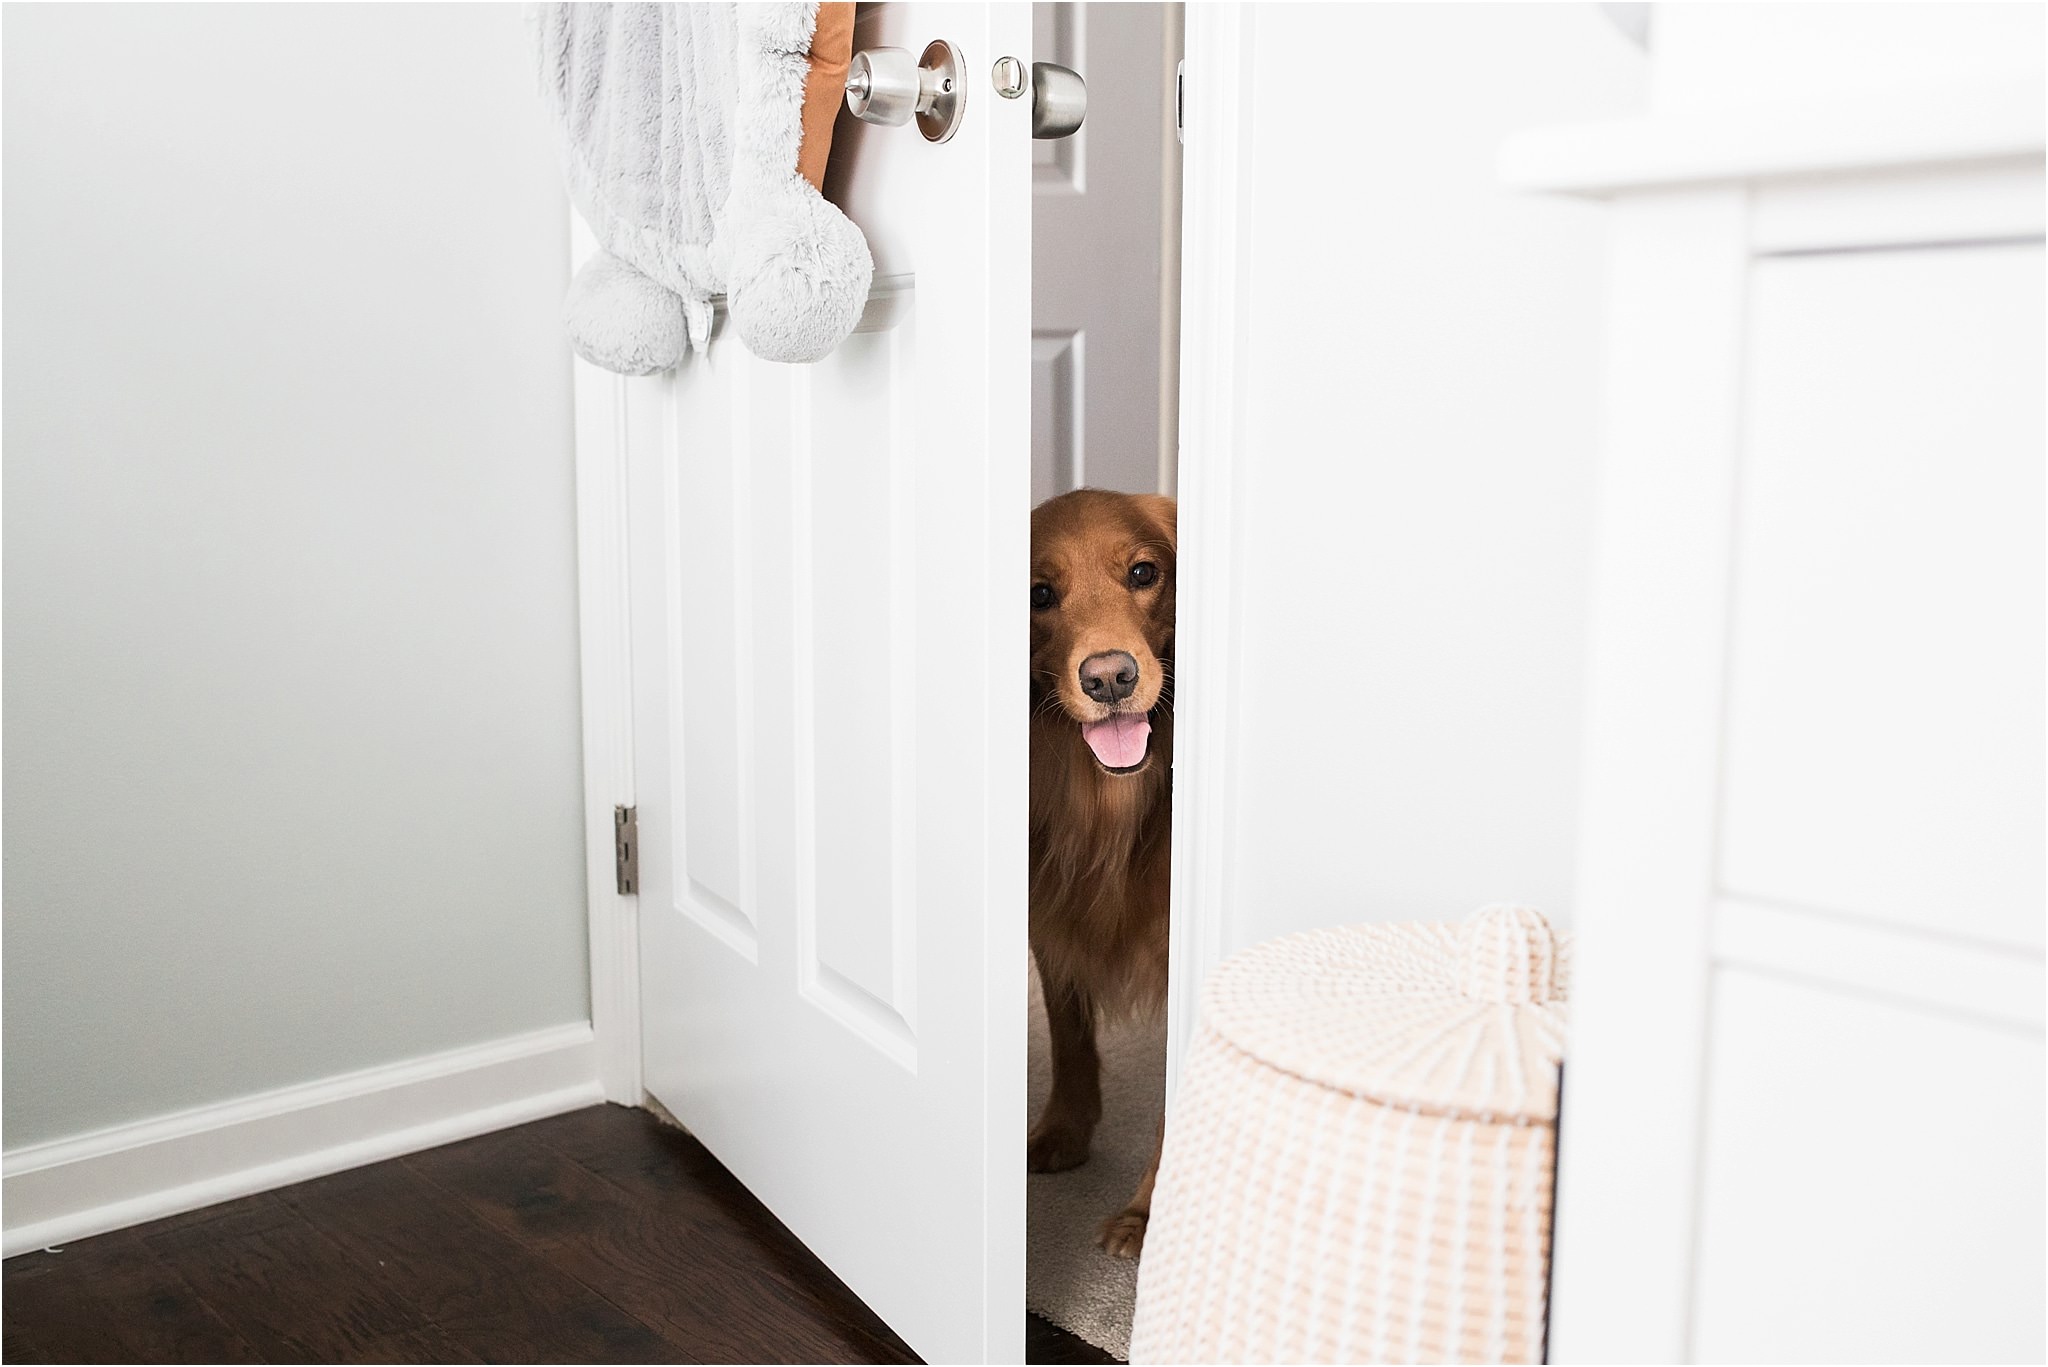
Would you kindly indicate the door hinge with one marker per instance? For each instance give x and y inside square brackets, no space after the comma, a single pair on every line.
[626,847]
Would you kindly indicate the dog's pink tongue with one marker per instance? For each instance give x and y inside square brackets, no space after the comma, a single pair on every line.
[1118,741]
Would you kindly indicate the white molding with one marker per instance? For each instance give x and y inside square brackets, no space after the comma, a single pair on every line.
[1172,50]
[1215,264]
[1755,142]
[75,1188]
[605,617]
[1973,201]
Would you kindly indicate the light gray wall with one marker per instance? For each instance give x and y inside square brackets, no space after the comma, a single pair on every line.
[291,736]
[1417,475]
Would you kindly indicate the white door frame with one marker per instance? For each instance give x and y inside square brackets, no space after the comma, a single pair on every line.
[605,616]
[1215,185]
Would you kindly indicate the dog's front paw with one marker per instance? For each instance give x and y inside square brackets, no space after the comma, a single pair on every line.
[1123,1234]
[1055,1149]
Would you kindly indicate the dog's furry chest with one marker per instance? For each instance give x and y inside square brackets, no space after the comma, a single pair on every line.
[1100,854]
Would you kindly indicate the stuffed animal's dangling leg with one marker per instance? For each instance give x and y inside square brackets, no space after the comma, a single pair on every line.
[621,320]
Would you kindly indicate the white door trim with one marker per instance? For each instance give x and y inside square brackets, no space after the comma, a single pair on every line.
[1216,190]
[605,619]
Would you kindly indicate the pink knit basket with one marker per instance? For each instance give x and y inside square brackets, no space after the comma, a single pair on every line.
[1358,1163]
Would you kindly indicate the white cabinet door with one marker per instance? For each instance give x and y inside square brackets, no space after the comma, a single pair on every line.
[1804,1116]
[1885,665]
[829,713]
[1852,1208]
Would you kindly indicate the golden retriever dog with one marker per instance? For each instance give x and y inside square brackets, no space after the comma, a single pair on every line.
[1102,590]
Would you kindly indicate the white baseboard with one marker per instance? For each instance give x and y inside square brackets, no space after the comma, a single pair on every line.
[74,1188]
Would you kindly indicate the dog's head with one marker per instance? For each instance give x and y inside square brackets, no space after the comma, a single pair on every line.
[1102,577]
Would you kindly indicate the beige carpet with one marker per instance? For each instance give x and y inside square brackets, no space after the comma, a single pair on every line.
[1067,1278]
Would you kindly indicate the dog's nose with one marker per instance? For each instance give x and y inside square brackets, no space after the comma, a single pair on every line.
[1110,676]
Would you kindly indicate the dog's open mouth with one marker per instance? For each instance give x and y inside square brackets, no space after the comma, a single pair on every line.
[1119,741]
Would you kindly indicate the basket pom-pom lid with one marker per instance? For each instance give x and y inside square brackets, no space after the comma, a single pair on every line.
[1462,1019]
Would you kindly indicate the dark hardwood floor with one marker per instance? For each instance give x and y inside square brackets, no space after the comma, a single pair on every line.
[600,1236]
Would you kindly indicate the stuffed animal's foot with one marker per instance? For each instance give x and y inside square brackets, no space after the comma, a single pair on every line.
[800,273]
[623,321]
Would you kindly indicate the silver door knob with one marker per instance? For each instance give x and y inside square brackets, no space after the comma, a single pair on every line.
[1059,101]
[886,85]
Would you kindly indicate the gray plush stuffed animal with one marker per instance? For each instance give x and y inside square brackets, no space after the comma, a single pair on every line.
[680,126]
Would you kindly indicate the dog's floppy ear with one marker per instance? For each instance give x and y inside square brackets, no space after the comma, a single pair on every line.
[1163,513]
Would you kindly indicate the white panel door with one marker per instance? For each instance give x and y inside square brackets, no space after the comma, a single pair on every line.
[1105,297]
[829,713]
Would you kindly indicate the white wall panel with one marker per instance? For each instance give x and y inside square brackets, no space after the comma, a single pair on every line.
[292,736]
[1415,463]
[1796,55]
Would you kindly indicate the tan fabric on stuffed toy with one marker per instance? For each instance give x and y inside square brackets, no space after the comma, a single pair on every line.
[1358,1162]
[825,89]
[682,130]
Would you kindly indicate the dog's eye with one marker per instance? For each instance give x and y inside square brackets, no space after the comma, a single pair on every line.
[1041,597]
[1144,574]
